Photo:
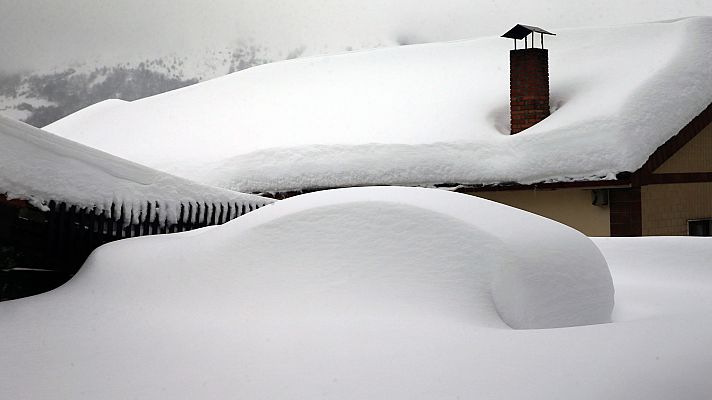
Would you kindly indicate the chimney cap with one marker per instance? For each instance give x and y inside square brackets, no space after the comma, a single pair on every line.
[521,31]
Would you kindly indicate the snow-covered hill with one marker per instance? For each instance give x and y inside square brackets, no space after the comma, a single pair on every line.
[420,115]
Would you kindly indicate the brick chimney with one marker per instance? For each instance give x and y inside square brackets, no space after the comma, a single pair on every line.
[528,78]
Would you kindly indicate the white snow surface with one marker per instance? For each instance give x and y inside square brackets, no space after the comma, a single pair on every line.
[39,167]
[362,293]
[421,114]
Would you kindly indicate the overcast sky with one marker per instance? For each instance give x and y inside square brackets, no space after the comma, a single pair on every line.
[41,33]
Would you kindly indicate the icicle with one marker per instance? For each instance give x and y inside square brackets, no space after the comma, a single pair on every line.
[154,212]
[193,212]
[142,210]
[209,216]
[133,213]
[170,213]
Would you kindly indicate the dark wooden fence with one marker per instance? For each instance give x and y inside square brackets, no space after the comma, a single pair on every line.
[40,250]
[82,229]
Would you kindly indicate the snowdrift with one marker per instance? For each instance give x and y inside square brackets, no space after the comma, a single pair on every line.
[365,293]
[39,167]
[368,293]
[419,115]
[324,292]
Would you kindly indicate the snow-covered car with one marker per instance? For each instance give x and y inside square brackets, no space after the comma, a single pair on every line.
[371,293]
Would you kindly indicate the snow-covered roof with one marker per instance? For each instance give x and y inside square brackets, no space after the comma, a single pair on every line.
[420,115]
[40,167]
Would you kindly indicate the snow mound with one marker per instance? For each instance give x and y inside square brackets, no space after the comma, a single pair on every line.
[421,114]
[412,251]
[661,276]
[389,253]
[39,167]
[307,299]
[99,108]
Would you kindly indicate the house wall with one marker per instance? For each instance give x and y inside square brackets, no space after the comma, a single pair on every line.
[667,208]
[660,201]
[625,208]
[695,156]
[569,206]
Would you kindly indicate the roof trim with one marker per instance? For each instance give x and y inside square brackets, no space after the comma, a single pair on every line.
[605,184]
[673,145]
[621,182]
[18,203]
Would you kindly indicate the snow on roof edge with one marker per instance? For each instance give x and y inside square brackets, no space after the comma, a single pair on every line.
[40,167]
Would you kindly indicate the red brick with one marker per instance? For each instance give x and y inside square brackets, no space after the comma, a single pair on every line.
[529,87]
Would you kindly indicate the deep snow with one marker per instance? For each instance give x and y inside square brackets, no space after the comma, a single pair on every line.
[361,294]
[40,167]
[419,115]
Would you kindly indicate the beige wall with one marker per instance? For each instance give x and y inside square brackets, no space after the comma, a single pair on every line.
[695,156]
[569,206]
[666,208]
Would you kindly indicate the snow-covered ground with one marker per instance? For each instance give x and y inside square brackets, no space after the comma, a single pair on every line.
[39,167]
[419,115]
[370,293]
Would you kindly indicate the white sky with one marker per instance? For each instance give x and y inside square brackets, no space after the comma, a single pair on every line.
[42,33]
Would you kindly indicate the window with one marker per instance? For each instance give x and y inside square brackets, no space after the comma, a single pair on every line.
[699,227]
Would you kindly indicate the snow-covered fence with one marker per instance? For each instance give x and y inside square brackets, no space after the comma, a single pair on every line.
[57,241]
[81,230]
[116,223]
